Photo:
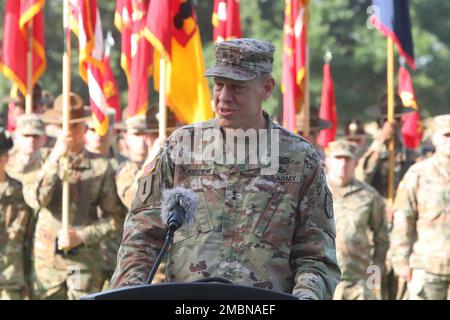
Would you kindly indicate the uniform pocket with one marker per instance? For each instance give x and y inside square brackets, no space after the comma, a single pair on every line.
[202,222]
[274,220]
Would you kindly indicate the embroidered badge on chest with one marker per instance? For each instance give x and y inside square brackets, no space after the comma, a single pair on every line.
[145,187]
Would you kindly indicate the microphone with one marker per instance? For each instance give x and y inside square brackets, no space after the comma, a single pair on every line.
[178,207]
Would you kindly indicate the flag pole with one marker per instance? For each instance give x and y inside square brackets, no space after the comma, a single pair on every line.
[306,95]
[162,99]
[29,96]
[390,116]
[65,120]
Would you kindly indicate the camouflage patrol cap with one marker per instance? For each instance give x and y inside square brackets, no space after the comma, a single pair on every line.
[6,142]
[342,148]
[442,124]
[242,59]
[30,124]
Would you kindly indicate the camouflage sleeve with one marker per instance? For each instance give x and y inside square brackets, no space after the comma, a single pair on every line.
[40,193]
[112,208]
[127,183]
[143,231]
[314,248]
[369,162]
[404,226]
[378,225]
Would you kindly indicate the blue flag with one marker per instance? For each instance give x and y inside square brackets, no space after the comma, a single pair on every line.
[391,17]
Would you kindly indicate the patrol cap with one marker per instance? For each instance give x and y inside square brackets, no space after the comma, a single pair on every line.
[6,142]
[242,59]
[30,124]
[442,124]
[342,148]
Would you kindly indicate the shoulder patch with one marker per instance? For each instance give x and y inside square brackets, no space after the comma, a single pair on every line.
[328,203]
[145,188]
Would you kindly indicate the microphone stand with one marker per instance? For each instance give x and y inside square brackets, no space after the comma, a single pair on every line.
[169,237]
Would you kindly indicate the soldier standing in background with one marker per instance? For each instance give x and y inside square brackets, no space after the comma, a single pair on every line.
[361,229]
[28,153]
[373,168]
[421,233]
[66,265]
[14,218]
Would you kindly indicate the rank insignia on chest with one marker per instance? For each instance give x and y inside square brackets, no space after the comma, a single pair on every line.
[145,187]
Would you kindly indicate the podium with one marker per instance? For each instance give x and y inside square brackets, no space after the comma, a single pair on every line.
[190,291]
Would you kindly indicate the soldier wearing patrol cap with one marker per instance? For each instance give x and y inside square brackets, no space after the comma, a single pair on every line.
[17,104]
[14,219]
[361,229]
[270,229]
[66,264]
[421,233]
[28,153]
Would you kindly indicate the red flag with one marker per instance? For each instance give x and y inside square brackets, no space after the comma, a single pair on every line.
[412,126]
[137,53]
[173,31]
[86,23]
[226,20]
[294,59]
[111,89]
[327,108]
[18,14]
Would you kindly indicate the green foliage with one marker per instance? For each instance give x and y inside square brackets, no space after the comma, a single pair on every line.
[359,52]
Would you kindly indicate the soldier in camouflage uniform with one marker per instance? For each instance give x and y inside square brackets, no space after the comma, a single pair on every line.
[28,153]
[421,233]
[361,230]
[373,168]
[66,265]
[25,161]
[374,163]
[14,217]
[267,229]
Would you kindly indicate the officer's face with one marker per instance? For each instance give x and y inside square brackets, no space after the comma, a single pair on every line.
[442,144]
[239,103]
[340,170]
